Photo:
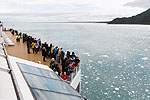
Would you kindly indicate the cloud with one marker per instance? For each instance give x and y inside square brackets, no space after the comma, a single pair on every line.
[55,17]
[139,3]
[65,9]
[65,5]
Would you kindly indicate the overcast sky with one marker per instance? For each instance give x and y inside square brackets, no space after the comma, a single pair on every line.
[71,9]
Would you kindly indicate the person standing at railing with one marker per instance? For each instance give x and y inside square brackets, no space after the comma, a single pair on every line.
[64,76]
[28,45]
[18,38]
[39,44]
[44,53]
[77,61]
[33,46]
[69,69]
[36,48]
[52,51]
[62,54]
[58,56]
[52,63]
[55,52]
[72,58]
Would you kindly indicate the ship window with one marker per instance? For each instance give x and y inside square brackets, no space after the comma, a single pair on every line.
[46,85]
[49,84]
[46,95]
[38,71]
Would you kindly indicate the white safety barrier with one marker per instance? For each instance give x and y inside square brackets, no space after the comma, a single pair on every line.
[7,40]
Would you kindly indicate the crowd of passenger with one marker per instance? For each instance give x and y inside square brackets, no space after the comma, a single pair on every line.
[69,61]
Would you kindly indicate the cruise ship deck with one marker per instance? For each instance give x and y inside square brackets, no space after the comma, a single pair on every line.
[22,78]
[20,50]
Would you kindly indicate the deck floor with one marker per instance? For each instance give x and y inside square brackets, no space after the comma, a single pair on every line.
[20,51]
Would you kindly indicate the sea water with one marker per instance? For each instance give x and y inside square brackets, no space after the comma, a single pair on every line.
[115,59]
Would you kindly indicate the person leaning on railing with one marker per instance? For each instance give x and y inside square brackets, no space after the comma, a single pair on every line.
[55,66]
[64,76]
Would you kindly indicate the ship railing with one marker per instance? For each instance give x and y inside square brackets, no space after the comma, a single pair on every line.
[73,74]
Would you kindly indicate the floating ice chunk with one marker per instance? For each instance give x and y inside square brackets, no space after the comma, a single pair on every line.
[105,56]
[123,86]
[142,66]
[105,93]
[120,66]
[133,92]
[86,76]
[116,77]
[103,82]
[116,89]
[146,49]
[117,53]
[146,90]
[119,96]
[90,60]
[145,58]
[86,82]
[97,78]
[111,86]
[100,62]
[90,66]
[86,54]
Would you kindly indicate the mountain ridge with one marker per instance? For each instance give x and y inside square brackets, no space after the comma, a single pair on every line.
[142,18]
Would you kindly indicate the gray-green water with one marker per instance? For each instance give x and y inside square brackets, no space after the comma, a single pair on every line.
[115,59]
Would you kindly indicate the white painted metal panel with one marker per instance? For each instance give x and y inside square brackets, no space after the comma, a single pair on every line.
[7,91]
[2,51]
[22,86]
[7,40]
[1,47]
[1,40]
[3,63]
[76,80]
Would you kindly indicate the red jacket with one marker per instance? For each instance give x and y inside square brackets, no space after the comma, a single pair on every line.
[64,77]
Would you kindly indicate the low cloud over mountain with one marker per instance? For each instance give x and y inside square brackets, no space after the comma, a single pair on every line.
[139,3]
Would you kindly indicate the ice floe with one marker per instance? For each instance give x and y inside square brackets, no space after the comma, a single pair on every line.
[144,58]
[105,56]
[88,54]
[86,82]
[97,78]
[117,53]
[146,90]
[116,89]
[105,93]
[90,60]
[142,66]
[119,96]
